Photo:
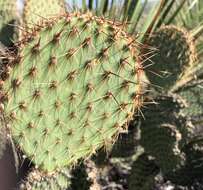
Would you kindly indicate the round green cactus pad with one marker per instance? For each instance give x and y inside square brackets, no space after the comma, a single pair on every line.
[73,85]
[175,52]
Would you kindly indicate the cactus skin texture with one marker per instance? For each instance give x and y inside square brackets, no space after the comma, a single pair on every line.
[35,11]
[143,173]
[37,181]
[79,85]
[162,133]
[175,52]
[8,16]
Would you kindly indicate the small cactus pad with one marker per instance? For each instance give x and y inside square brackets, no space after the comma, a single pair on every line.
[162,143]
[175,51]
[143,173]
[74,84]
[8,16]
[35,11]
[161,133]
[37,181]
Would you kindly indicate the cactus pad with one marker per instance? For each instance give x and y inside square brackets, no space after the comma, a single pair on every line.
[161,135]
[37,181]
[34,11]
[175,51]
[74,84]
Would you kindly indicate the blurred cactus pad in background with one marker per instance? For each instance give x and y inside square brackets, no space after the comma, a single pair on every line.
[101,95]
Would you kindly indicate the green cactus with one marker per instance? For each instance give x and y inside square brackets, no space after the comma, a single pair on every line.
[35,11]
[175,52]
[162,133]
[37,181]
[79,85]
[143,173]
[8,20]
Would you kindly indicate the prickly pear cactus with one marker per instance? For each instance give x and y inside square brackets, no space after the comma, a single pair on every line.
[37,181]
[8,17]
[175,52]
[35,11]
[79,85]
[143,173]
